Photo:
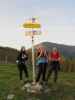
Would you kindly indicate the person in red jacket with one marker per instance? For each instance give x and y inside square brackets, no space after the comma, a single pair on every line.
[54,59]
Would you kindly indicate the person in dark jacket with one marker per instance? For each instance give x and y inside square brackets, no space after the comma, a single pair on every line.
[21,61]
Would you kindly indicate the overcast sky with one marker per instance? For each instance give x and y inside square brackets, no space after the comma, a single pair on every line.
[57,18]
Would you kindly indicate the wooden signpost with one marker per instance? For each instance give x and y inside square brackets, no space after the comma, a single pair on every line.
[33,27]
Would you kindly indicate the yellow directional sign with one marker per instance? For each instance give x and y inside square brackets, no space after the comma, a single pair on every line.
[31,25]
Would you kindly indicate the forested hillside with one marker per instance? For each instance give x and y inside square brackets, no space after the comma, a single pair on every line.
[9,55]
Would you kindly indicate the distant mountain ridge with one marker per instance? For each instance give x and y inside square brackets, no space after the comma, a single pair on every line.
[66,50]
[10,54]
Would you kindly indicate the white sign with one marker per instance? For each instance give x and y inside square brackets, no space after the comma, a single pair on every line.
[30,33]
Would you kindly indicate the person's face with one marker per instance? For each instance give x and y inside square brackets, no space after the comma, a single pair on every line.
[23,49]
[54,50]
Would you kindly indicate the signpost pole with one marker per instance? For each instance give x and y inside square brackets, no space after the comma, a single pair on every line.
[33,61]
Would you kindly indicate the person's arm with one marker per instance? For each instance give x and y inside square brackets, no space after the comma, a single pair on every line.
[59,56]
[46,55]
[45,52]
[18,58]
[49,57]
[26,58]
[40,53]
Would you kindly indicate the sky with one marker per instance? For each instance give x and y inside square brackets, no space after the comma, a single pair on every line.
[57,18]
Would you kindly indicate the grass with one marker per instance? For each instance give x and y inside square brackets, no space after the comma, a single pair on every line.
[9,83]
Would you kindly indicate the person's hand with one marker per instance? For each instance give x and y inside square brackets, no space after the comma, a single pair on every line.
[17,61]
[62,61]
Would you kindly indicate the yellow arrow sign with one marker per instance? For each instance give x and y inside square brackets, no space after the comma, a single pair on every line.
[31,25]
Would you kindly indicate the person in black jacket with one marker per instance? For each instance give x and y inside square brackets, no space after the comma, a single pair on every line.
[21,61]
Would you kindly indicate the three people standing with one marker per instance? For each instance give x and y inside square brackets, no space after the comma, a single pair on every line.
[43,58]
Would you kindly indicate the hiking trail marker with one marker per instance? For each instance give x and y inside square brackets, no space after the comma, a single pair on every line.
[32,28]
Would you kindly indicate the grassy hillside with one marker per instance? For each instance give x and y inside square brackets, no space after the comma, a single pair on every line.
[8,55]
[9,83]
